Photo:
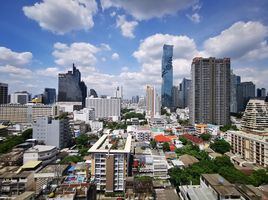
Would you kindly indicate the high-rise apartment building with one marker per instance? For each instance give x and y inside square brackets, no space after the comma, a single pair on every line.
[255,118]
[55,132]
[235,80]
[245,91]
[119,92]
[210,91]
[167,76]
[18,113]
[150,101]
[184,92]
[22,97]
[175,96]
[104,107]
[49,96]
[261,92]
[71,88]
[110,158]
[3,93]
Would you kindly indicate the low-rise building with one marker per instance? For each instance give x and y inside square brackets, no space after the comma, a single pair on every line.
[86,115]
[46,154]
[110,162]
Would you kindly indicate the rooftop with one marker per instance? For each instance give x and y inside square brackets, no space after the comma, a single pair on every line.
[188,159]
[192,138]
[40,148]
[103,145]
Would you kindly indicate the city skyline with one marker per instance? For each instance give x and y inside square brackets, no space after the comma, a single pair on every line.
[117,43]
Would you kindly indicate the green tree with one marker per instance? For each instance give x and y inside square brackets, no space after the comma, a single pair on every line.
[166,146]
[69,159]
[205,136]
[183,140]
[82,140]
[223,161]
[153,144]
[259,177]
[220,146]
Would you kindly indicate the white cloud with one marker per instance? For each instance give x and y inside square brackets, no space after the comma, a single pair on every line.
[113,14]
[62,16]
[50,71]
[124,69]
[195,18]
[196,7]
[115,56]
[127,27]
[105,47]
[143,10]
[239,40]
[9,57]
[17,72]
[83,54]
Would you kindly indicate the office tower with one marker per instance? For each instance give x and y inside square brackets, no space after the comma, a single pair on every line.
[235,80]
[119,92]
[135,99]
[110,158]
[167,76]
[150,101]
[71,88]
[22,97]
[49,96]
[55,132]
[105,107]
[245,91]
[93,93]
[17,113]
[261,92]
[210,91]
[3,93]
[255,118]
[184,92]
[175,96]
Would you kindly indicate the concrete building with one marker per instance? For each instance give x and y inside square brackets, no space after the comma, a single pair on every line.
[153,106]
[185,86]
[3,93]
[110,162]
[119,92]
[71,88]
[55,132]
[175,96]
[44,153]
[167,76]
[86,115]
[104,107]
[245,92]
[93,93]
[18,113]
[261,92]
[210,91]
[22,97]
[251,147]
[235,80]
[255,118]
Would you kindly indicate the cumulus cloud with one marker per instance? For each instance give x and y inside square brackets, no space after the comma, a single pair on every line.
[9,57]
[115,56]
[195,18]
[127,27]
[16,71]
[63,16]
[50,71]
[240,40]
[83,54]
[143,10]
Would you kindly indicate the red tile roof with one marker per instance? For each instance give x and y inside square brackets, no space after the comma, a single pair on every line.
[161,138]
[172,147]
[192,138]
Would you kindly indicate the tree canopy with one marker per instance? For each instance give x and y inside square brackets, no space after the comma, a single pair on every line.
[220,146]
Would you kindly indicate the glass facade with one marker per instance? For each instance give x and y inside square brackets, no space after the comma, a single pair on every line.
[71,88]
[49,96]
[167,76]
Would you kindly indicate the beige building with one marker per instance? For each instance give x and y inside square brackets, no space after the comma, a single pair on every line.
[110,162]
[251,147]
[17,113]
[255,118]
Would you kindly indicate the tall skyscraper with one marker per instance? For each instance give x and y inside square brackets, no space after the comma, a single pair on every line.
[3,93]
[175,96]
[135,99]
[119,92]
[49,96]
[235,80]
[167,76]
[184,92]
[210,91]
[150,101]
[245,91]
[71,88]
[261,92]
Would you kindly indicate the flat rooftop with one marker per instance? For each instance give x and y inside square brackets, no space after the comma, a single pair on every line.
[104,144]
[52,168]
[40,148]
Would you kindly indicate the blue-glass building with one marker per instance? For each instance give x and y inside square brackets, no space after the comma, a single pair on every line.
[49,96]
[167,76]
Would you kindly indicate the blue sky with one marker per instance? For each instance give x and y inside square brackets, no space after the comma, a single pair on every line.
[118,42]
